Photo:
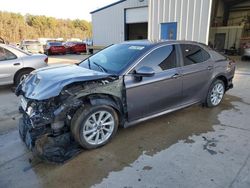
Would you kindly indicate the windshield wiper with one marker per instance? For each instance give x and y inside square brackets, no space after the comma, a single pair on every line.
[99,66]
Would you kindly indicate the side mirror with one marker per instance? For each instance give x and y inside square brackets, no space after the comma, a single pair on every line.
[144,72]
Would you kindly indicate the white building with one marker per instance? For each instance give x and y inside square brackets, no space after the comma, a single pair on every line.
[111,24]
[183,19]
[169,19]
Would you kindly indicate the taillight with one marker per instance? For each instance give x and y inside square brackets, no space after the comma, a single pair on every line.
[46,60]
[230,65]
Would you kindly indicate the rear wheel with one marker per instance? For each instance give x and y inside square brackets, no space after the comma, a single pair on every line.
[215,93]
[22,75]
[94,126]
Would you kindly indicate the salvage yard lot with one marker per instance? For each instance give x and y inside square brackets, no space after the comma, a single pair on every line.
[194,147]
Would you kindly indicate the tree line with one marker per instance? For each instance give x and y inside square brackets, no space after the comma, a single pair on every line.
[15,27]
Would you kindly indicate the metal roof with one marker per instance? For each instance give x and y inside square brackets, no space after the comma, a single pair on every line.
[228,2]
[110,5]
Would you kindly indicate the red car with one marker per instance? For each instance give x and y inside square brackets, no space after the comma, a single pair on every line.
[75,47]
[55,48]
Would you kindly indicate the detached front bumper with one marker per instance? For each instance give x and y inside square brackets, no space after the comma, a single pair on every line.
[43,143]
[29,134]
[46,131]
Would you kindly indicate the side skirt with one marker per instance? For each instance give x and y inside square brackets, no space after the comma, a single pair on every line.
[129,124]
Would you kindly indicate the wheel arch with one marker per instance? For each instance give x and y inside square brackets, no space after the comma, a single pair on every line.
[20,70]
[222,78]
[109,100]
[217,77]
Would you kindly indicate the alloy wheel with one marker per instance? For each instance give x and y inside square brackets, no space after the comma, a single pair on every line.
[217,94]
[98,127]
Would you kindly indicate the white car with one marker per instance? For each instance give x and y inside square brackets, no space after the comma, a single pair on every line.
[16,64]
[32,46]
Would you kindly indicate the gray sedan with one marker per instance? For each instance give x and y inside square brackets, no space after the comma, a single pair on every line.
[121,85]
[15,64]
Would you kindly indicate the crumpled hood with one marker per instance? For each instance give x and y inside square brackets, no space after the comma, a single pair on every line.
[48,82]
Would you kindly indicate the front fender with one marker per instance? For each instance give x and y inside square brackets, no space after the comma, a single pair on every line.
[106,100]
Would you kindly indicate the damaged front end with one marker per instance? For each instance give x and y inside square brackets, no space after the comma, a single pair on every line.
[45,124]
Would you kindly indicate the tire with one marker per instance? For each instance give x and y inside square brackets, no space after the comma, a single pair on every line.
[89,133]
[47,53]
[215,94]
[21,75]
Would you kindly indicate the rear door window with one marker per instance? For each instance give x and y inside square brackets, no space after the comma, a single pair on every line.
[193,54]
[6,54]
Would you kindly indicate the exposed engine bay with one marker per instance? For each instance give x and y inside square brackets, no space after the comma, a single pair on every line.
[45,126]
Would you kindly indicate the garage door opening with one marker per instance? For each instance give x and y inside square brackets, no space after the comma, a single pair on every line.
[136,23]
[230,26]
[136,31]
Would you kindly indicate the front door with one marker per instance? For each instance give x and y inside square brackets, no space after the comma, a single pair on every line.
[151,95]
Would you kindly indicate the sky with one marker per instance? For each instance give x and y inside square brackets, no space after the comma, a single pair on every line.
[72,9]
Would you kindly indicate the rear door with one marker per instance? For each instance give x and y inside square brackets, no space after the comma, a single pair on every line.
[9,65]
[196,72]
[155,94]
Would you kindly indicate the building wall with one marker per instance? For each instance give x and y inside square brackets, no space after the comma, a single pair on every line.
[239,14]
[108,24]
[233,35]
[192,17]
[217,13]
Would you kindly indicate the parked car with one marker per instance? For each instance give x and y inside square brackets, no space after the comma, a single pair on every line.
[54,48]
[16,64]
[31,46]
[121,85]
[246,51]
[88,42]
[75,47]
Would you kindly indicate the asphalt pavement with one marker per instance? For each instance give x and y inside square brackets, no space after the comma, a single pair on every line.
[193,147]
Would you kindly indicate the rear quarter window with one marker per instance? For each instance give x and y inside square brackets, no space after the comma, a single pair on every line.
[216,56]
[6,55]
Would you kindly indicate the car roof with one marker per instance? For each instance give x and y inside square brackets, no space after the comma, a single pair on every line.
[154,43]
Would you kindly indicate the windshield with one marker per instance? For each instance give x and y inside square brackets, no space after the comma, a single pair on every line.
[34,47]
[114,59]
[55,44]
[31,42]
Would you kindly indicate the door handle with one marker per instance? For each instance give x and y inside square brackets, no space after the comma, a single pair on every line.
[176,75]
[16,64]
[210,67]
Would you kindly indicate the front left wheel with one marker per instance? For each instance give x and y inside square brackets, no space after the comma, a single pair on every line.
[94,126]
